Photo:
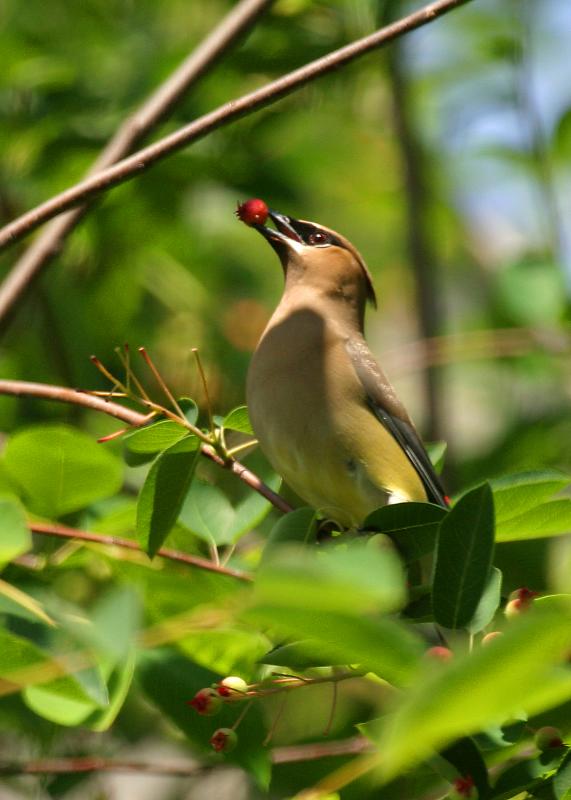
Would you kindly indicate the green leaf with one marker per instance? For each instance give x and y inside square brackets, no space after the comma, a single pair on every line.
[238,420]
[15,601]
[413,526]
[60,470]
[67,700]
[297,655]
[489,603]
[119,683]
[115,621]
[250,512]
[377,644]
[373,579]
[297,526]
[326,597]
[15,536]
[516,494]
[473,691]
[16,654]
[189,409]
[163,492]
[550,519]
[529,775]
[463,558]
[437,453]
[207,513]
[55,701]
[465,756]
[227,650]
[154,438]
[562,779]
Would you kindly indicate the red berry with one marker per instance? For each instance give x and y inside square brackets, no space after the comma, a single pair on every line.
[439,653]
[524,594]
[206,702]
[463,788]
[224,740]
[252,212]
[547,738]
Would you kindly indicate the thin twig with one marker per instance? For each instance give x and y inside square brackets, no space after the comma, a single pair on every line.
[142,160]
[278,715]
[62,394]
[315,750]
[202,374]
[88,764]
[474,345]
[130,376]
[241,715]
[288,684]
[327,729]
[65,532]
[136,128]
[161,382]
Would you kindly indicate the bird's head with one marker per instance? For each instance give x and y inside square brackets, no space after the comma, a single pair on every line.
[313,255]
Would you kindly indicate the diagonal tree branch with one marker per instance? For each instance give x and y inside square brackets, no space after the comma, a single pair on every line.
[65,532]
[143,159]
[61,394]
[128,136]
[87,764]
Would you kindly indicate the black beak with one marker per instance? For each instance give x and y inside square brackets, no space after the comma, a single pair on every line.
[281,237]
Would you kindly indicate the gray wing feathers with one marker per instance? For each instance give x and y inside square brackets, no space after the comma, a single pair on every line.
[391,413]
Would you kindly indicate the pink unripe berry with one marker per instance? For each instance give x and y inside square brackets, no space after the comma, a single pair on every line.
[252,212]
[224,740]
[547,738]
[232,686]
[519,601]
[515,607]
[439,653]
[463,789]
[206,702]
[489,637]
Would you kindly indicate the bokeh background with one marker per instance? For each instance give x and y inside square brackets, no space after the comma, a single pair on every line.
[445,159]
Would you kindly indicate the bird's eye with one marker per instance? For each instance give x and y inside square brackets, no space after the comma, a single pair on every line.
[318,237]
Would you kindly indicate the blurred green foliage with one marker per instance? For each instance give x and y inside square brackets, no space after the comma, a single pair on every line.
[162,262]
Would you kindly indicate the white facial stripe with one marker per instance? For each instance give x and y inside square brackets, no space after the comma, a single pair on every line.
[298,247]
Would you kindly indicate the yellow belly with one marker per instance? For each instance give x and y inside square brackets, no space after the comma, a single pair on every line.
[317,431]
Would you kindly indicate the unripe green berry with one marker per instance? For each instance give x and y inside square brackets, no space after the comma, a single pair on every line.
[232,686]
[224,740]
[547,738]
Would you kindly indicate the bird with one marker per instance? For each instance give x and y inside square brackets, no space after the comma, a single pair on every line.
[324,413]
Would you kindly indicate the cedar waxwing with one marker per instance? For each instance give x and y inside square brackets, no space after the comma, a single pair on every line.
[325,415]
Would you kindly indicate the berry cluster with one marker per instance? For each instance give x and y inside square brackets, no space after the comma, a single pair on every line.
[208,702]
